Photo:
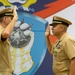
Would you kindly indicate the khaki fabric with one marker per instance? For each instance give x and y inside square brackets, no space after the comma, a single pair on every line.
[5,56]
[5,73]
[63,52]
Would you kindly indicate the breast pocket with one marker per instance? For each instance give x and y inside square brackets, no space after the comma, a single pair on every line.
[59,51]
[60,55]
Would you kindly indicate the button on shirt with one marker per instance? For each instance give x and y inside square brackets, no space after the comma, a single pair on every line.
[63,52]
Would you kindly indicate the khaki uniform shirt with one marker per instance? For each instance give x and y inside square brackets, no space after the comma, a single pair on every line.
[63,52]
[5,57]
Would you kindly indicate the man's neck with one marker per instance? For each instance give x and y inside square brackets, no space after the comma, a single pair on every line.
[59,36]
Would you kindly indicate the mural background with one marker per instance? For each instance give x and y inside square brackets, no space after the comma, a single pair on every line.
[34,16]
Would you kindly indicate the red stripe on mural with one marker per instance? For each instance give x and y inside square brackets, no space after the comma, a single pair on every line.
[54,7]
[52,39]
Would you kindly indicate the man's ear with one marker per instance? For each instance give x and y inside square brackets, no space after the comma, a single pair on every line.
[61,28]
[4,18]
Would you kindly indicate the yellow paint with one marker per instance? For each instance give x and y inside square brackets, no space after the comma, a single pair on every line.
[5,3]
[26,4]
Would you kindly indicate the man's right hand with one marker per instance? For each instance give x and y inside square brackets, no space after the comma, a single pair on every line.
[47,32]
[15,13]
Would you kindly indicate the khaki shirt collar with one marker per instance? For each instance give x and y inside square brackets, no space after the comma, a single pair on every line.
[63,36]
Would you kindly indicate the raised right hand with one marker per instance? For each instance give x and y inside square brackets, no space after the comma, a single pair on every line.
[15,13]
[47,32]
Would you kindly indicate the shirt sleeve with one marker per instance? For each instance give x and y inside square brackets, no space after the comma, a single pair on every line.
[70,48]
[1,29]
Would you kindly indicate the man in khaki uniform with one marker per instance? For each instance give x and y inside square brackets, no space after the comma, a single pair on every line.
[8,18]
[63,50]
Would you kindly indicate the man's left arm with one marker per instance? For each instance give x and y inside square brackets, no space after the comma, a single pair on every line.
[72,66]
